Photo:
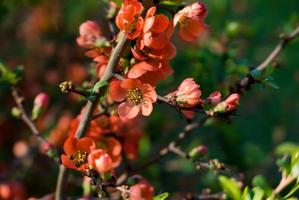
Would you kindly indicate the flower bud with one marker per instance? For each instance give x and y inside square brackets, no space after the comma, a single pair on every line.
[220,107]
[16,112]
[214,98]
[198,151]
[191,21]
[41,102]
[232,102]
[188,93]
[89,34]
[100,160]
[45,147]
[142,190]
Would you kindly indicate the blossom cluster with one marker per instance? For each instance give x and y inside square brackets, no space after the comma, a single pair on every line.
[142,66]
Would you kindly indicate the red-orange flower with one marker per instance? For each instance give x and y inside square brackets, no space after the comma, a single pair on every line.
[151,60]
[128,18]
[138,97]
[76,152]
[190,21]
[157,30]
[104,124]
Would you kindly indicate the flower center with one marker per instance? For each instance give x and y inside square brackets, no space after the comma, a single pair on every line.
[134,95]
[183,21]
[79,158]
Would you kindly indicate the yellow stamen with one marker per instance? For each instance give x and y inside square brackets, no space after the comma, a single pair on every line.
[134,95]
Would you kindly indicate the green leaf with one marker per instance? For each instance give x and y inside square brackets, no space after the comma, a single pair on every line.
[295,165]
[12,77]
[270,83]
[293,190]
[117,2]
[99,85]
[245,194]
[269,70]
[162,196]
[258,193]
[286,148]
[260,182]
[171,3]
[284,164]
[230,187]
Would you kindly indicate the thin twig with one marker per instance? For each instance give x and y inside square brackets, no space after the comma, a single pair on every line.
[284,183]
[242,84]
[19,101]
[24,116]
[91,105]
[171,146]
[167,101]
[245,83]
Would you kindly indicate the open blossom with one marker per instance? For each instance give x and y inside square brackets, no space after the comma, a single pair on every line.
[188,93]
[104,125]
[100,160]
[89,34]
[129,20]
[138,97]
[191,21]
[143,190]
[153,64]
[76,152]
[157,30]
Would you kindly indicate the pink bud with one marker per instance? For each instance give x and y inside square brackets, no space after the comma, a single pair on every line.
[188,93]
[41,100]
[200,150]
[100,160]
[89,33]
[45,147]
[214,98]
[232,102]
[142,190]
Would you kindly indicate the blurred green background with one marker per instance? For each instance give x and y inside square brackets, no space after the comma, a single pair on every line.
[40,35]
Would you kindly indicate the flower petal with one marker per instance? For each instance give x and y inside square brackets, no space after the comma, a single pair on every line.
[146,107]
[70,145]
[127,110]
[67,162]
[116,92]
[85,144]
[131,83]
